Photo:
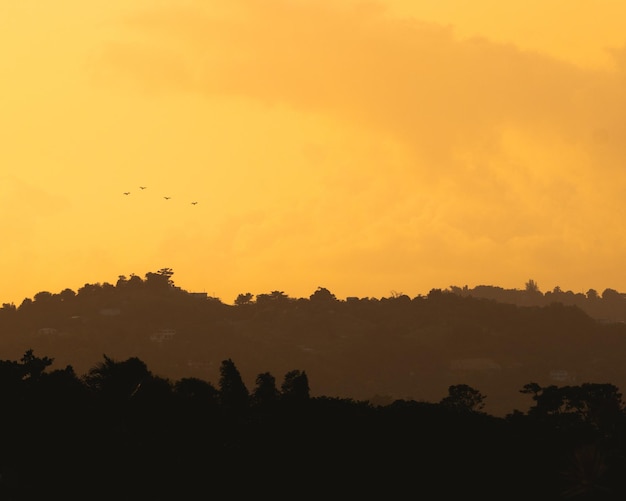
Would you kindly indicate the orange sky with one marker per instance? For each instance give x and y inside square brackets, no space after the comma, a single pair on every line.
[365,147]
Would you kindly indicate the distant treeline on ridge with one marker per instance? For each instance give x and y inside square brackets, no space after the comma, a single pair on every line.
[375,349]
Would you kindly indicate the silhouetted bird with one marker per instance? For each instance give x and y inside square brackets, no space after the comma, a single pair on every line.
[127,193]
[167,198]
[194,203]
[142,187]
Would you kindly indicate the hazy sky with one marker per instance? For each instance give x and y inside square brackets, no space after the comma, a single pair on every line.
[365,147]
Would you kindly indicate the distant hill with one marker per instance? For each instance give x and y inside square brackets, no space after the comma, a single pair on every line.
[609,306]
[373,349]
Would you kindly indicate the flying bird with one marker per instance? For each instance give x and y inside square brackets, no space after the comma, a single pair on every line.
[142,187]
[194,203]
[167,198]
[127,193]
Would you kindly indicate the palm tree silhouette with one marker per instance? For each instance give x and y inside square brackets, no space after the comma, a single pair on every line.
[585,474]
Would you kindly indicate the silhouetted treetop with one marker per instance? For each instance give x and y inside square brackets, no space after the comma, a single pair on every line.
[244,299]
[117,379]
[232,390]
[295,387]
[265,392]
[322,295]
[463,398]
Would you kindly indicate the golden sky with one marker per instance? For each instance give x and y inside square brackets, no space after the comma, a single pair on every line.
[366,147]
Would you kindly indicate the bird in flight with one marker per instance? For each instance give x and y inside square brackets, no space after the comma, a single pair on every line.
[127,193]
[194,203]
[167,198]
[142,187]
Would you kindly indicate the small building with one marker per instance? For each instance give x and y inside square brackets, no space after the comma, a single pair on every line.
[163,335]
[562,376]
[47,331]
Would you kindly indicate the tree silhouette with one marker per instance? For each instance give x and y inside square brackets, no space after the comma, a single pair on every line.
[117,380]
[33,366]
[585,477]
[598,405]
[265,393]
[161,280]
[295,387]
[322,295]
[145,442]
[243,299]
[463,398]
[234,396]
[196,390]
[274,298]
[532,287]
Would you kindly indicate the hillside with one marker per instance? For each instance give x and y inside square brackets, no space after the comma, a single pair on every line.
[363,348]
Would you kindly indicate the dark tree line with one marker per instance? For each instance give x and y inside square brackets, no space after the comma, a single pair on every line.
[122,432]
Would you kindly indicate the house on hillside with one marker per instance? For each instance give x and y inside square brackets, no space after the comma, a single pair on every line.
[474,365]
[562,376]
[163,335]
[47,331]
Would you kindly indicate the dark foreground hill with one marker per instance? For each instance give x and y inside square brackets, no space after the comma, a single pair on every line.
[378,350]
[120,432]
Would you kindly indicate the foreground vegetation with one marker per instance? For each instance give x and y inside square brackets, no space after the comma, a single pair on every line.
[121,432]
[138,396]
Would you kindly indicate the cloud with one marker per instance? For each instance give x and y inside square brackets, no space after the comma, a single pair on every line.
[502,150]
[414,80]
